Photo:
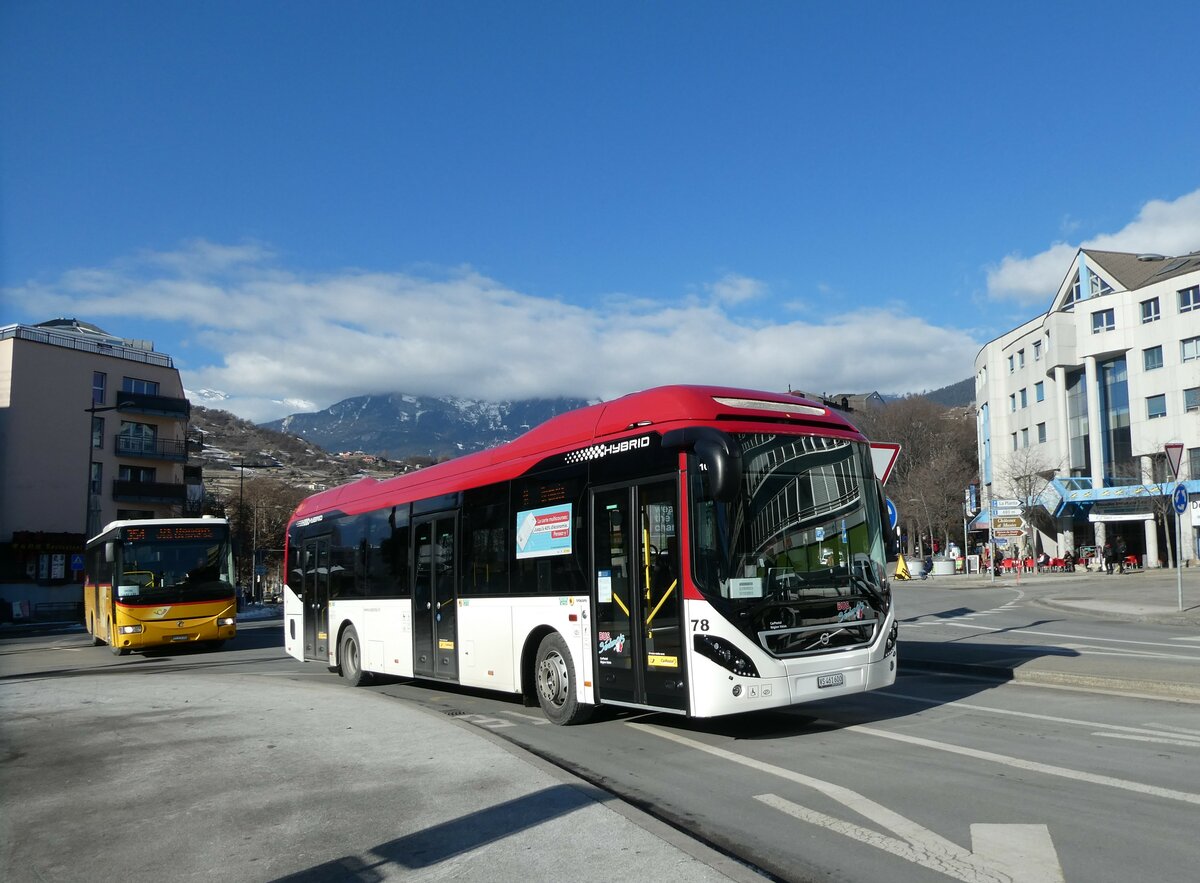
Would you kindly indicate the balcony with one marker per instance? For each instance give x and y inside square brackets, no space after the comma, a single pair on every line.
[149,492]
[150,448]
[161,406]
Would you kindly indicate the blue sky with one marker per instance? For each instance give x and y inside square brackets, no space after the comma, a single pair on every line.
[303,202]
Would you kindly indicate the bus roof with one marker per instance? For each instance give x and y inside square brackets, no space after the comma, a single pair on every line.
[659,410]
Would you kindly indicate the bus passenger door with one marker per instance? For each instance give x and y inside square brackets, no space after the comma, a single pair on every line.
[639,600]
[435,632]
[314,555]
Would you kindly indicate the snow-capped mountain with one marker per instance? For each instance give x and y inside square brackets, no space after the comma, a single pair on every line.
[399,425]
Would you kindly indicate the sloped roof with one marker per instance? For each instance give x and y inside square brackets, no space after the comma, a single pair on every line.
[1135,272]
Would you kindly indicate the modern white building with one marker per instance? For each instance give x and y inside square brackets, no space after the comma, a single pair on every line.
[1088,396]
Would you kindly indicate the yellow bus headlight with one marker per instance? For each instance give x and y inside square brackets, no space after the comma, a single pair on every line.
[226,620]
[130,630]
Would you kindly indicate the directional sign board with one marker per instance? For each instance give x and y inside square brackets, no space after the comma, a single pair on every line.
[1008,532]
[1007,510]
[1005,504]
[1008,522]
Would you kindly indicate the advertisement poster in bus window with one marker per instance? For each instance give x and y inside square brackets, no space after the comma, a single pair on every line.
[543,532]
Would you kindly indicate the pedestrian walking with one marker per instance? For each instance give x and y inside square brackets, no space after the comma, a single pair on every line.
[1121,551]
[1108,557]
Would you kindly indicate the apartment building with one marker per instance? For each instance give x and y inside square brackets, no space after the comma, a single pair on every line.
[93,428]
[1085,398]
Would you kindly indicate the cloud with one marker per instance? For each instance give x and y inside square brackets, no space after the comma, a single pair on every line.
[1171,228]
[239,323]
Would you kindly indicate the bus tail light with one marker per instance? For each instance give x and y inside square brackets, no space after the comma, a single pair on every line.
[726,655]
[130,630]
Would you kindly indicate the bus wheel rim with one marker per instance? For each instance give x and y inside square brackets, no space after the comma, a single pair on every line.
[552,679]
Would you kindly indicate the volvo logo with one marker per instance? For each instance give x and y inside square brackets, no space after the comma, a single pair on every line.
[825,636]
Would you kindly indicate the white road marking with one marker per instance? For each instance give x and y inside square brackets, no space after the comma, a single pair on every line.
[1158,740]
[1138,731]
[1037,634]
[1018,853]
[1035,767]
[528,718]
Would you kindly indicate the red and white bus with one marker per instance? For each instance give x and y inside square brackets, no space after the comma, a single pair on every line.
[694,550]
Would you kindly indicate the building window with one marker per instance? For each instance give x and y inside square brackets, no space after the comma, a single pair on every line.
[137,438]
[1189,349]
[1152,358]
[1189,299]
[1156,406]
[1037,350]
[1012,402]
[1025,438]
[1191,401]
[1039,391]
[1098,285]
[1011,364]
[141,387]
[97,432]
[99,380]
[1150,312]
[1193,463]
[1020,358]
[137,474]
[1014,441]
[1041,428]
[97,477]
[1024,399]
[1103,320]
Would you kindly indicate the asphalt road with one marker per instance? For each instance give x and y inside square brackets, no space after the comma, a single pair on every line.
[963,770]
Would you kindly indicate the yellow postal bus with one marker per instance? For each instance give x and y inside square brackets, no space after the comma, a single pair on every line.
[154,583]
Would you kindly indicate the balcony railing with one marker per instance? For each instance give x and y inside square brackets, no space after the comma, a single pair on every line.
[142,403]
[149,491]
[151,448]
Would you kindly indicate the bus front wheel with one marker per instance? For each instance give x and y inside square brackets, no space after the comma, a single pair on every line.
[112,643]
[554,673]
[350,659]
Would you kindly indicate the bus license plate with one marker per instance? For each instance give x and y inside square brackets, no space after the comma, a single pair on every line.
[188,637]
[836,680]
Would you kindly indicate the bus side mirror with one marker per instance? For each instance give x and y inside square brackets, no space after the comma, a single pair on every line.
[110,552]
[720,461]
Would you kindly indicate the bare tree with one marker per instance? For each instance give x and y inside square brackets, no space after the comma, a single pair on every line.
[259,511]
[1024,475]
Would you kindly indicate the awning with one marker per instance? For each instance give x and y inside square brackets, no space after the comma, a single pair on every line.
[981,521]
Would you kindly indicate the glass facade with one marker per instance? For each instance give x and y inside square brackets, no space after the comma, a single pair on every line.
[1114,422]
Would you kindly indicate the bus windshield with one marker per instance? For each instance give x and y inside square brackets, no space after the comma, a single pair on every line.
[796,559]
[161,565]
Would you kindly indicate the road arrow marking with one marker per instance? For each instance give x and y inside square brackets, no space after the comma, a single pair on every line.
[1031,844]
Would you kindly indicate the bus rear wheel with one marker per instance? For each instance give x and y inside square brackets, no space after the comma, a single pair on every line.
[554,675]
[350,659]
[97,641]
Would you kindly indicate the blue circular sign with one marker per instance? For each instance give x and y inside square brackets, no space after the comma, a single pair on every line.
[893,516]
[1181,498]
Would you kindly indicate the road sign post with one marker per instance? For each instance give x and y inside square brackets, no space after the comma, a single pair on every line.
[1180,498]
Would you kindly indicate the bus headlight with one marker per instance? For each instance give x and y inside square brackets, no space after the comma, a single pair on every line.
[226,620]
[724,654]
[130,630]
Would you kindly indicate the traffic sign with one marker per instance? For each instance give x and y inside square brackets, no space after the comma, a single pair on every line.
[1005,504]
[1180,497]
[1009,532]
[1174,455]
[1008,510]
[1008,522]
[893,516]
